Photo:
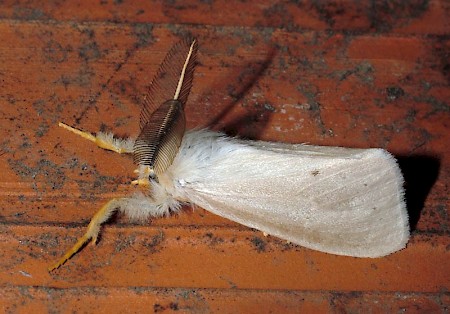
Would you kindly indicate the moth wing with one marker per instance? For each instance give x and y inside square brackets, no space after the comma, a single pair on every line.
[336,200]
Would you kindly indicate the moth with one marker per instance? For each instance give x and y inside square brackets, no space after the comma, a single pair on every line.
[337,200]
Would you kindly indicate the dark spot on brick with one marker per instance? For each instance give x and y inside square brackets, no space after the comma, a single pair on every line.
[387,14]
[442,211]
[173,306]
[340,300]
[179,30]
[82,78]
[124,242]
[394,92]
[446,69]
[411,115]
[123,121]
[29,14]
[363,72]
[11,99]
[144,34]
[42,129]
[50,172]
[441,52]
[259,244]
[279,14]
[328,10]
[153,246]
[89,51]
[104,128]
[88,32]
[342,75]
[213,240]
[39,106]
[269,107]
[437,106]
[310,92]
[246,37]
[54,52]
[158,308]
[89,190]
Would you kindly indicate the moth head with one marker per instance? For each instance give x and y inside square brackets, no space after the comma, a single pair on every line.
[146,174]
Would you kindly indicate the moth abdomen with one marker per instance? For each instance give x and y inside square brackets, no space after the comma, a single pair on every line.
[160,138]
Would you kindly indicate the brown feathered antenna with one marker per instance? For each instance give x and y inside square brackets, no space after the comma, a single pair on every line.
[162,129]
[181,56]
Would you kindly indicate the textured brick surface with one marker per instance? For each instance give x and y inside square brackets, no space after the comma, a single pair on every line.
[341,73]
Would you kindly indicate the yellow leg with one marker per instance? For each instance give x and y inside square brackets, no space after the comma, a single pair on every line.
[92,231]
[99,141]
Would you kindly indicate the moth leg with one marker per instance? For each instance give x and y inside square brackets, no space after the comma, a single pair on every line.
[92,231]
[105,141]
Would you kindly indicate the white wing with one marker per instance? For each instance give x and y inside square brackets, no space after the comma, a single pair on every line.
[336,200]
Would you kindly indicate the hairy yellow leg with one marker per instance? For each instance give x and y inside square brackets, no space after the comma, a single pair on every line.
[90,137]
[92,231]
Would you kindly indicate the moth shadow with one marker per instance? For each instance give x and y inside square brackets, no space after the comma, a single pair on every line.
[257,116]
[420,173]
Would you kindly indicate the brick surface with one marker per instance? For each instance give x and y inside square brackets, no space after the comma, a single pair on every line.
[353,74]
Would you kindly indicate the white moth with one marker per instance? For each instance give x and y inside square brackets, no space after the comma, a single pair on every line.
[335,200]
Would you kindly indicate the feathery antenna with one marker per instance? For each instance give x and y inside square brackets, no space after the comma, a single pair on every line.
[174,77]
[163,123]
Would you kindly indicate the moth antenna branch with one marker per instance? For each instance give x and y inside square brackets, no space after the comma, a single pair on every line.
[183,71]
